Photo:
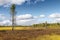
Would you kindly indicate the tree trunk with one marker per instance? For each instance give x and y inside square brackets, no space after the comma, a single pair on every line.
[13,23]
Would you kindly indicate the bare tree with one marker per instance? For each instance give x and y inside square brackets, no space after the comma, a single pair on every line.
[12,9]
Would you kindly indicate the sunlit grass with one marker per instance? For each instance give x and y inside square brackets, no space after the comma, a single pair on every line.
[52,36]
[20,28]
[5,28]
[16,28]
[26,28]
[47,37]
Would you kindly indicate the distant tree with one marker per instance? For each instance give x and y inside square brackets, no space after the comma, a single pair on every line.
[43,24]
[58,24]
[12,9]
[34,25]
[46,24]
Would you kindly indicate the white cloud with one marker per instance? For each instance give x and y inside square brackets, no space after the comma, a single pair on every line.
[58,19]
[28,16]
[52,21]
[38,1]
[55,15]
[42,16]
[25,16]
[19,22]
[35,17]
[18,2]
[25,19]
[5,22]
[28,19]
[25,22]
[9,2]
[34,2]
[2,17]
[6,3]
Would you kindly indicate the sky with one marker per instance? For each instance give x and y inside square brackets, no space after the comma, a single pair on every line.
[30,12]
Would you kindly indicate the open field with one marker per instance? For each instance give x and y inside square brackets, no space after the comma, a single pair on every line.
[37,34]
[19,28]
[29,33]
[27,28]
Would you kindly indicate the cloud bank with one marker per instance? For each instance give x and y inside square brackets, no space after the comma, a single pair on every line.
[29,19]
[25,19]
[7,3]
[55,15]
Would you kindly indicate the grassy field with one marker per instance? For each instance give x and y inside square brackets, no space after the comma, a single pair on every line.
[19,28]
[26,28]
[29,33]
[47,37]
[35,34]
[16,28]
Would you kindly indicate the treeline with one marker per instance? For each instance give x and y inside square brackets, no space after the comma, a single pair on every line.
[14,26]
[47,25]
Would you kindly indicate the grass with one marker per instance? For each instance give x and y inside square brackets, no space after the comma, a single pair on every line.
[5,28]
[26,28]
[47,37]
[15,28]
[30,33]
[26,33]
[20,28]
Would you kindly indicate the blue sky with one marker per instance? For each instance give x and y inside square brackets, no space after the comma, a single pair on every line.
[31,11]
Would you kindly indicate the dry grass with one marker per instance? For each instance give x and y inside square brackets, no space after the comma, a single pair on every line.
[29,33]
[41,34]
[20,28]
[26,28]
